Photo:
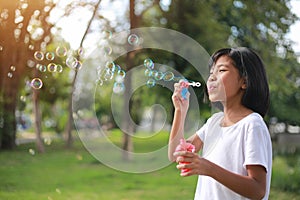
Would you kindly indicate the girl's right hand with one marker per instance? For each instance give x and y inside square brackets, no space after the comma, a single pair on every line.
[180,103]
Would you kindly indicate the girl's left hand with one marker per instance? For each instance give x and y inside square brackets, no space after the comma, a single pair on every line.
[193,163]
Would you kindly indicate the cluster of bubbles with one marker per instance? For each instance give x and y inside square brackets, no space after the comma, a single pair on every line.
[109,72]
[61,52]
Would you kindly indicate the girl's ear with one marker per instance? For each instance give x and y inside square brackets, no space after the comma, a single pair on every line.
[244,85]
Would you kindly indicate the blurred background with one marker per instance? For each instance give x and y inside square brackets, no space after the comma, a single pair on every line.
[46,44]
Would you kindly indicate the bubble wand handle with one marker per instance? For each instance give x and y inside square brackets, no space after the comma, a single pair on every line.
[184,85]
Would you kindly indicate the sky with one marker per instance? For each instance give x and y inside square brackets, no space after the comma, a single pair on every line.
[295,29]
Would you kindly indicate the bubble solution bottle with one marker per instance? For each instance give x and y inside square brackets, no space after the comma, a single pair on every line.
[185,146]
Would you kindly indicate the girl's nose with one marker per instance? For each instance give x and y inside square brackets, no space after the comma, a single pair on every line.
[211,77]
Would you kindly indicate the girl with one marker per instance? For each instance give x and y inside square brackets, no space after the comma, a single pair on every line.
[236,160]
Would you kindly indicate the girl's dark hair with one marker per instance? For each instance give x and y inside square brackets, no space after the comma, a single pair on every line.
[250,66]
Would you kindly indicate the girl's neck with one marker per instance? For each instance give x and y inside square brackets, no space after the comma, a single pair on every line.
[234,113]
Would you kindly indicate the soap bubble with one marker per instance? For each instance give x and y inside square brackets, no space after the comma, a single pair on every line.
[59,68]
[49,56]
[47,141]
[158,75]
[148,63]
[151,83]
[31,151]
[133,39]
[111,66]
[107,50]
[9,75]
[80,51]
[148,72]
[77,65]
[168,76]
[71,62]
[51,67]
[36,83]
[118,88]
[41,68]
[121,73]
[61,51]
[38,55]
[23,98]
[107,34]
[12,68]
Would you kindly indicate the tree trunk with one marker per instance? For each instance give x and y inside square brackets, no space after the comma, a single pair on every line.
[37,121]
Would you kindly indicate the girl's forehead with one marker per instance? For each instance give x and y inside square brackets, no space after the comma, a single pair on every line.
[223,61]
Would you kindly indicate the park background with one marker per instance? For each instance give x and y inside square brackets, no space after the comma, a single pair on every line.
[46,45]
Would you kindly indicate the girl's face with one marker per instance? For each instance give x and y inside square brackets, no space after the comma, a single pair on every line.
[225,83]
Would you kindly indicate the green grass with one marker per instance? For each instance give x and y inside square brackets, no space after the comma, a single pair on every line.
[62,174]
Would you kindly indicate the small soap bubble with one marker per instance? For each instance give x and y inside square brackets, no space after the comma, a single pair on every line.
[9,75]
[99,82]
[148,72]
[151,83]
[36,83]
[168,76]
[79,157]
[107,50]
[51,67]
[133,39]
[77,65]
[1,48]
[38,55]
[158,75]
[119,79]
[118,88]
[148,63]
[12,68]
[121,73]
[107,34]
[71,62]
[61,51]
[50,56]
[58,191]
[30,63]
[80,51]
[47,141]
[111,66]
[59,68]
[31,151]
[41,68]
[23,98]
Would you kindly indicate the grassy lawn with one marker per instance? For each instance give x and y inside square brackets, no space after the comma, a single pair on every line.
[62,174]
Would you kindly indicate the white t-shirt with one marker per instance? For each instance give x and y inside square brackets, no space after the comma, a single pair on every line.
[247,142]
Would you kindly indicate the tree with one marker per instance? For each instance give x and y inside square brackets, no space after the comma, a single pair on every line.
[24,30]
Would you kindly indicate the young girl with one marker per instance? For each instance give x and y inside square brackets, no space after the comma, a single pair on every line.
[236,159]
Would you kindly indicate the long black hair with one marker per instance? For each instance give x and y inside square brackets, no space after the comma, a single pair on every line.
[250,66]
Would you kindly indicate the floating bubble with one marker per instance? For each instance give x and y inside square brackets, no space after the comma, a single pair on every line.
[77,65]
[80,51]
[59,68]
[50,56]
[12,68]
[58,191]
[148,72]
[30,63]
[47,141]
[133,39]
[1,48]
[61,51]
[158,75]
[23,98]
[118,88]
[107,50]
[9,75]
[148,63]
[38,55]
[31,151]
[151,83]
[71,61]
[111,66]
[51,67]
[31,47]
[36,83]
[121,73]
[41,68]
[107,34]
[168,76]
[119,79]
[79,157]
[99,81]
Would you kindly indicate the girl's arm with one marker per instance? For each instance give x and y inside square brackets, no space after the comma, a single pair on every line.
[252,186]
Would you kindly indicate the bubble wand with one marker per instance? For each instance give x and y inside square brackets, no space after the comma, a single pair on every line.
[184,85]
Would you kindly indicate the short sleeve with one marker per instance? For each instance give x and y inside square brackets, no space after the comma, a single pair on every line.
[257,146]
[201,132]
